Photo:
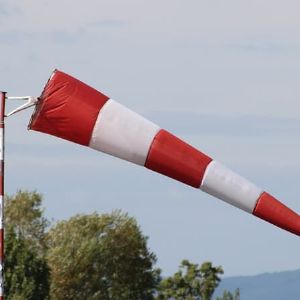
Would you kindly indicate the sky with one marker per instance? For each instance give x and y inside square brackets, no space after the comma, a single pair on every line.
[222,75]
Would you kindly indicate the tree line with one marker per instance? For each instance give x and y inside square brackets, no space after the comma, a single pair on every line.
[101,257]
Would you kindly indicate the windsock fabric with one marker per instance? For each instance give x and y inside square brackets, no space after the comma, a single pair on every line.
[70,109]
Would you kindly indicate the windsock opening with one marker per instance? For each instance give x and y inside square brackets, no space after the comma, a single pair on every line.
[61,111]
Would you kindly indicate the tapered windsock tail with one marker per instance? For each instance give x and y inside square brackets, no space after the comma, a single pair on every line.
[273,211]
[70,109]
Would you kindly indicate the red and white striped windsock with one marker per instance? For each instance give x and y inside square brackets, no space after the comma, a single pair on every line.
[70,109]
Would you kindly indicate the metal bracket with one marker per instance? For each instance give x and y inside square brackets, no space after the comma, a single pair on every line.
[31,101]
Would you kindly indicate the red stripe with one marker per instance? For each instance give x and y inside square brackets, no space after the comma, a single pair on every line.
[172,157]
[1,168]
[68,108]
[271,210]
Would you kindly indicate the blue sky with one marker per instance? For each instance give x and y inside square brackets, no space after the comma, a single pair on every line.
[223,75]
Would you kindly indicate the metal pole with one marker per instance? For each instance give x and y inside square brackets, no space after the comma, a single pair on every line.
[2,113]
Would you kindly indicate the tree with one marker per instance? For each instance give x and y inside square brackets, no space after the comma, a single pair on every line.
[229,296]
[24,212]
[191,282]
[100,257]
[26,273]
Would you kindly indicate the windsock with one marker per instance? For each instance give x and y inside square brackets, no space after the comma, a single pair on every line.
[72,110]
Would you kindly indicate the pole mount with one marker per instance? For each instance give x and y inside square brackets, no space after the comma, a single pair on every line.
[31,101]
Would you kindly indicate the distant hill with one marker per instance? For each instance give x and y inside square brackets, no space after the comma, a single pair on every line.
[267,286]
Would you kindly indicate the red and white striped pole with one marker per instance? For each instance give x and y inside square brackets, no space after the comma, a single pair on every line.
[2,113]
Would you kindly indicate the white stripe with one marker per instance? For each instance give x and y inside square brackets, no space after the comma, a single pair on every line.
[123,133]
[226,185]
[1,144]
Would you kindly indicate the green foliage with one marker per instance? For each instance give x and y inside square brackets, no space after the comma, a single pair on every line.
[26,273]
[191,282]
[229,296]
[91,257]
[100,257]
[24,213]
